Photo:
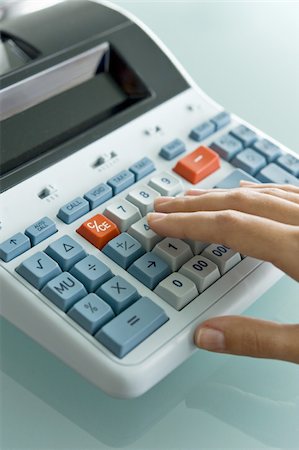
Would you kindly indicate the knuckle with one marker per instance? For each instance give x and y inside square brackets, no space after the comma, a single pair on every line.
[227,218]
[236,196]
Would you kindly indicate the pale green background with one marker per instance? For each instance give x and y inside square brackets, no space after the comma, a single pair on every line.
[245,55]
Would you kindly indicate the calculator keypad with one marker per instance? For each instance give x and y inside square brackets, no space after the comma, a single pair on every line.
[109,306]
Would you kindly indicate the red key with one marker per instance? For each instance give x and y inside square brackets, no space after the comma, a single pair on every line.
[98,230]
[198,164]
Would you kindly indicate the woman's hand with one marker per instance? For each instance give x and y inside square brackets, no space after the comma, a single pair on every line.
[257,220]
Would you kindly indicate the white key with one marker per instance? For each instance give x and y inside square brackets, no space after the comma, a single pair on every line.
[142,232]
[166,184]
[174,251]
[196,246]
[201,271]
[177,290]
[122,213]
[143,197]
[224,257]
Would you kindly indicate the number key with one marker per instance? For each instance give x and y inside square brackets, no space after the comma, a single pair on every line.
[142,232]
[143,197]
[224,257]
[166,184]
[177,290]
[201,271]
[122,213]
[174,251]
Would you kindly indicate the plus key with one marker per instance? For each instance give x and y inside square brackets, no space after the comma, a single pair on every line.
[98,230]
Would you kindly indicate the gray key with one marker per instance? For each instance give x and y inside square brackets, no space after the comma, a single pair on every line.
[196,246]
[202,271]
[142,232]
[174,251]
[166,184]
[177,290]
[143,197]
[224,257]
[122,213]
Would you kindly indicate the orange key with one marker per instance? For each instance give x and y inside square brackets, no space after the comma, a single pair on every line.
[98,230]
[198,165]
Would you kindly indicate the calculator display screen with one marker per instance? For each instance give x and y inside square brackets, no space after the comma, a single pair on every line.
[63,102]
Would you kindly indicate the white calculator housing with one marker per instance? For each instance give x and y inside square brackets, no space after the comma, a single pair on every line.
[68,148]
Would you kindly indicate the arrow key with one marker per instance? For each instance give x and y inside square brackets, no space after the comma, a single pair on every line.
[150,269]
[14,246]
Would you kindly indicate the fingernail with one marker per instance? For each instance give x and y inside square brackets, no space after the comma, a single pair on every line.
[246,182]
[210,339]
[195,191]
[160,201]
[155,217]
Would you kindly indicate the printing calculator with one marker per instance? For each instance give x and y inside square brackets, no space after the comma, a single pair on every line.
[98,119]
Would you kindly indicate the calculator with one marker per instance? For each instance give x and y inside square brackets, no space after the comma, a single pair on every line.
[98,120]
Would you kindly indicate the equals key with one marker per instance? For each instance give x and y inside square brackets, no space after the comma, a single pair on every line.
[132,327]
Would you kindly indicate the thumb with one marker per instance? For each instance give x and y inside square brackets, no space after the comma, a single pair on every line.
[249,337]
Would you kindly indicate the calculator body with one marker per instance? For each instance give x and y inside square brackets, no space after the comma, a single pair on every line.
[150,116]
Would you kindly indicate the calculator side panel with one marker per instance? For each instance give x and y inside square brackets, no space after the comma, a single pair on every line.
[22,308]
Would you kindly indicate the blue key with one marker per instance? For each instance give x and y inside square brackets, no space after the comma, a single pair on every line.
[132,327]
[149,269]
[221,120]
[202,131]
[275,174]
[289,163]
[250,161]
[41,230]
[118,293]
[91,272]
[91,313]
[227,146]
[142,168]
[121,181]
[73,210]
[38,269]
[98,195]
[66,252]
[244,134]
[64,291]
[124,250]
[267,149]
[14,246]
[234,178]
[173,149]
